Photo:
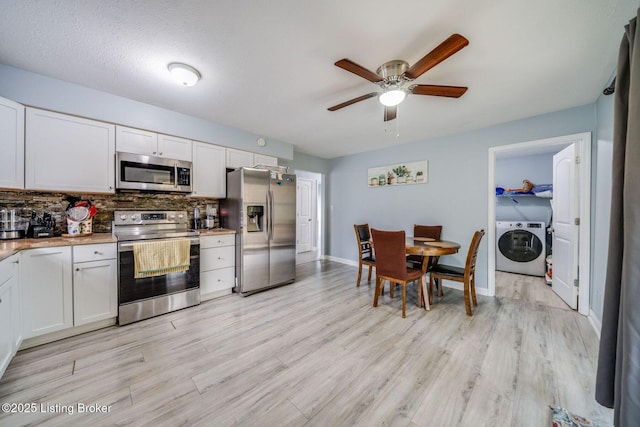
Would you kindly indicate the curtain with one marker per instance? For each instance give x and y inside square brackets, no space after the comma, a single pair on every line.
[618,375]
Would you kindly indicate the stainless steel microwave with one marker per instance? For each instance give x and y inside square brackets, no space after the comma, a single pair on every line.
[149,173]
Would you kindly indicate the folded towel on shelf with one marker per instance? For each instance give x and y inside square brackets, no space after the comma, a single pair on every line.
[161,257]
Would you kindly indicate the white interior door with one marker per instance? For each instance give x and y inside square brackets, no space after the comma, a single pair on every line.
[304,230]
[565,236]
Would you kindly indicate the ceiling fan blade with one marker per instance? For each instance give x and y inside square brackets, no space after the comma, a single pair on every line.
[390,113]
[437,55]
[352,101]
[359,70]
[437,90]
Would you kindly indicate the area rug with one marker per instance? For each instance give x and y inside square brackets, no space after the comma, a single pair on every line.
[563,418]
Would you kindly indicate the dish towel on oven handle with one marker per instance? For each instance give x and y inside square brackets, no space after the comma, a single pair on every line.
[162,257]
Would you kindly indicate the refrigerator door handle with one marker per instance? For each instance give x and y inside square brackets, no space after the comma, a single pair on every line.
[270,215]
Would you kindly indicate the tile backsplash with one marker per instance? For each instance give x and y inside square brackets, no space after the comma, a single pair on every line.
[26,202]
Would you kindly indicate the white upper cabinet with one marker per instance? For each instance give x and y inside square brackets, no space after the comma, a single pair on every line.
[173,147]
[138,141]
[239,158]
[261,159]
[209,172]
[68,153]
[12,144]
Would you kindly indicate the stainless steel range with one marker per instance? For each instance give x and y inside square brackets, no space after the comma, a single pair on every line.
[145,297]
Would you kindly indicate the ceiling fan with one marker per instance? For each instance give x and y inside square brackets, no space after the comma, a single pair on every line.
[394,78]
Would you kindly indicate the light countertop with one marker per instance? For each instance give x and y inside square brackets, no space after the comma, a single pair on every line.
[10,247]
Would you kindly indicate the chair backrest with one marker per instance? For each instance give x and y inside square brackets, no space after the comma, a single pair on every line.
[390,253]
[432,231]
[472,255]
[363,237]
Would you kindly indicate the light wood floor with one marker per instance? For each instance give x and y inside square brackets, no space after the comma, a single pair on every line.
[527,288]
[316,353]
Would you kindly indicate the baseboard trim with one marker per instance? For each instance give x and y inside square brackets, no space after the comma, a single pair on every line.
[458,286]
[340,260]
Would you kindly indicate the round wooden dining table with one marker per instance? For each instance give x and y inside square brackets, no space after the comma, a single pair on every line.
[428,247]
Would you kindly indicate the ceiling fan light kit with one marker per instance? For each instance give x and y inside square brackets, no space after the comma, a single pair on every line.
[394,77]
[183,74]
[392,97]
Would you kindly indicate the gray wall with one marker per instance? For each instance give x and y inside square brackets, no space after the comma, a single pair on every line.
[537,168]
[44,92]
[601,204]
[456,194]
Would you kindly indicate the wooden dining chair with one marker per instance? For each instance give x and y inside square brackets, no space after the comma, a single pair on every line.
[391,264]
[365,249]
[466,275]
[431,231]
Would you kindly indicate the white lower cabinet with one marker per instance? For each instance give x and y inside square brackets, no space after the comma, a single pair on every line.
[10,321]
[217,265]
[47,290]
[95,291]
[65,287]
[6,326]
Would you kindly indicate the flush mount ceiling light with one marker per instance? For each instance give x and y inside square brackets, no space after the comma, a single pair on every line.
[392,97]
[184,74]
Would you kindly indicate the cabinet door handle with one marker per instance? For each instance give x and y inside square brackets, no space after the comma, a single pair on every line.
[97,253]
[16,261]
[160,153]
[154,153]
[77,269]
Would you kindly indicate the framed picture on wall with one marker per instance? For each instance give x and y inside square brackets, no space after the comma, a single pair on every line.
[398,174]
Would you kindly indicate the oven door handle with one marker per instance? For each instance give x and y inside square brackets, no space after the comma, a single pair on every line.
[128,246]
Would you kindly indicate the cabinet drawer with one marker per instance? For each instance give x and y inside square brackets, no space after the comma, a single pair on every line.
[217,280]
[84,253]
[214,258]
[217,241]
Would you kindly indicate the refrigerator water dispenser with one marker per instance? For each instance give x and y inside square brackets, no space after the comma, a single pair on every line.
[255,214]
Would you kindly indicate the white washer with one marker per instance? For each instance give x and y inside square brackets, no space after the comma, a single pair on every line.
[520,247]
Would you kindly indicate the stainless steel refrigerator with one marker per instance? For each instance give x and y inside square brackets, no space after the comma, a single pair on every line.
[261,208]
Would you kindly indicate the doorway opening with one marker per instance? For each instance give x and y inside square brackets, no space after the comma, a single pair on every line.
[583,188]
[309,202]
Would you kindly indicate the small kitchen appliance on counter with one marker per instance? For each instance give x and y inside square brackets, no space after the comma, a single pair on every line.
[11,225]
[41,227]
[210,219]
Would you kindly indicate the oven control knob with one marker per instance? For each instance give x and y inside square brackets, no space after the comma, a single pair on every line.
[133,217]
[172,216]
[123,217]
[180,216]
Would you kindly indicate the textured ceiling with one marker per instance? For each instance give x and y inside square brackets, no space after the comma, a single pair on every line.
[267,66]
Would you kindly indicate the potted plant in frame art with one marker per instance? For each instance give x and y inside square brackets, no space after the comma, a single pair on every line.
[402,172]
[419,176]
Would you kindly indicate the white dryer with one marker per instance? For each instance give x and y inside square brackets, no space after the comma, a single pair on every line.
[520,247]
